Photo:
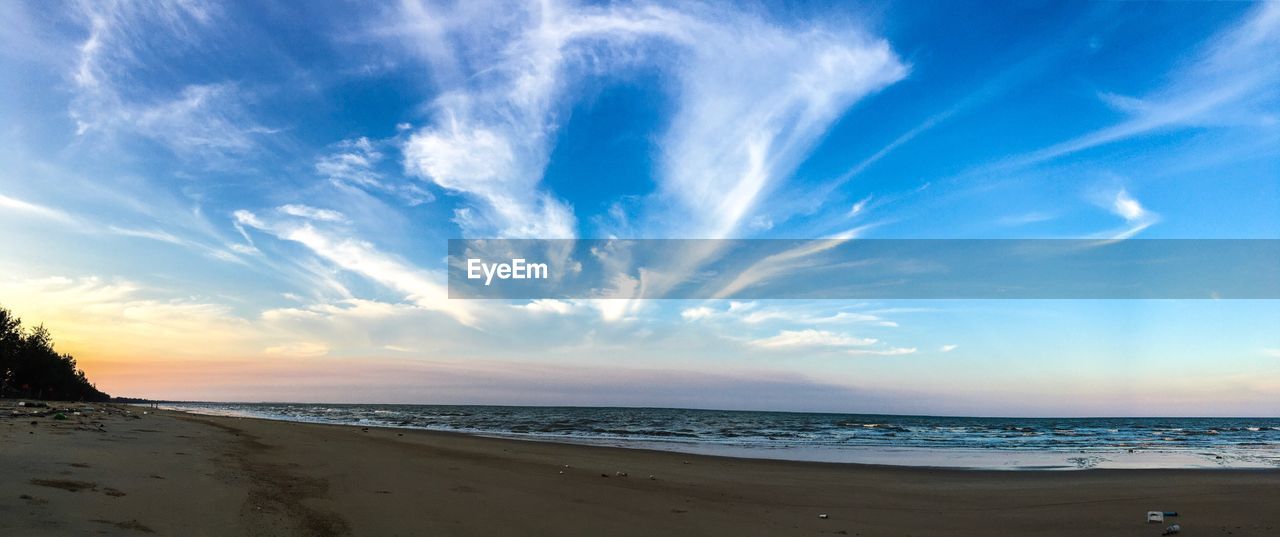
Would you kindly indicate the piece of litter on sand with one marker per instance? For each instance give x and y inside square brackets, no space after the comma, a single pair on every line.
[1170,513]
[823,515]
[1155,516]
[1172,529]
[651,477]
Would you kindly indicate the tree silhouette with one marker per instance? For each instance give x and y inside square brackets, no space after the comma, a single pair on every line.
[31,368]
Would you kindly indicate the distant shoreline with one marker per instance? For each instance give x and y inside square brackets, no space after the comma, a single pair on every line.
[957,451]
[143,401]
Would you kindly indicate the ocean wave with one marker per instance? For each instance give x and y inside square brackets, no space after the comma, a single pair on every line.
[784,429]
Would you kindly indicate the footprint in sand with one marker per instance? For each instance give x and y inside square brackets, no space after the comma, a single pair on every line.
[127,525]
[65,484]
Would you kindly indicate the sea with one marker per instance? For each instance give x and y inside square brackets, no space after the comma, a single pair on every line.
[934,441]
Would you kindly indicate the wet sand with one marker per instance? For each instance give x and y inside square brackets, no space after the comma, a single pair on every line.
[164,473]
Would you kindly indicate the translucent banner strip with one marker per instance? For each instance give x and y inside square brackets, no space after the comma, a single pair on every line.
[864,269]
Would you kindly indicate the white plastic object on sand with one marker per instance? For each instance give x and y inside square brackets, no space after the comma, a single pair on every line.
[1155,516]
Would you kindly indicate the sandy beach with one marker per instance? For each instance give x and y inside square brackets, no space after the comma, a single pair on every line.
[118,471]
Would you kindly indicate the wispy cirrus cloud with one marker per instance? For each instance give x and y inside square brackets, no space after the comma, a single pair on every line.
[1127,207]
[127,39]
[752,99]
[354,163]
[827,341]
[206,245]
[809,338]
[312,213]
[150,234]
[559,307]
[1137,217]
[755,97]
[1229,81]
[754,313]
[33,209]
[803,327]
[780,263]
[698,313]
[423,288]
[888,351]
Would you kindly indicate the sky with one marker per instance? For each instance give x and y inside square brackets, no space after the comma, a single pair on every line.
[251,201]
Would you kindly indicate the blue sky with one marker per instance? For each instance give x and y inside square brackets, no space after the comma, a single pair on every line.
[251,201]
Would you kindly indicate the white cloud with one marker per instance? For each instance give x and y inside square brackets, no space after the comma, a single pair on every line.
[810,338]
[150,234]
[17,206]
[766,269]
[423,288]
[1127,207]
[616,303]
[32,209]
[753,313]
[546,305]
[244,249]
[860,206]
[948,348]
[1274,353]
[1137,218]
[124,41]
[298,349]
[753,98]
[354,163]
[312,213]
[491,136]
[698,313]
[805,317]
[890,351]
[202,118]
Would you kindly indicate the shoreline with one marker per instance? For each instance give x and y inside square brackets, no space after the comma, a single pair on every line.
[640,447]
[120,472]
[960,458]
